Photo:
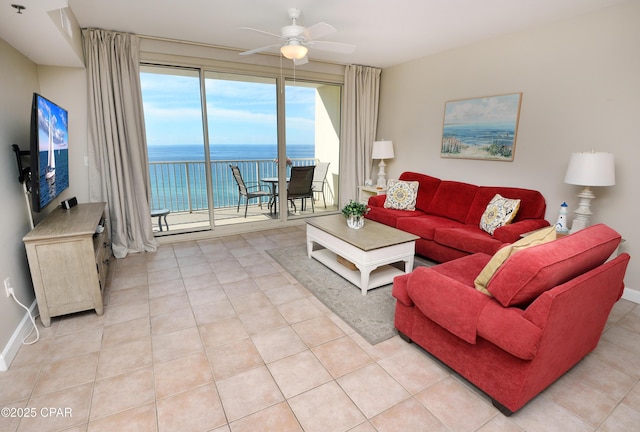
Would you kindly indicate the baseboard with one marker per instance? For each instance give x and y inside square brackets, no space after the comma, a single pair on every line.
[11,349]
[631,295]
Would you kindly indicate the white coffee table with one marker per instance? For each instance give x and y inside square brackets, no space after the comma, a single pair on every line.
[372,250]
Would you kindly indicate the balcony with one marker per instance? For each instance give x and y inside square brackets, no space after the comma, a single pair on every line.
[181,187]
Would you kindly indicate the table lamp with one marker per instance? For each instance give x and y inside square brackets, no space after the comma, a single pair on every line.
[588,169]
[382,150]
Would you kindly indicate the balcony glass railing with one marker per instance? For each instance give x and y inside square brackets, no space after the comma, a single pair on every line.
[182,186]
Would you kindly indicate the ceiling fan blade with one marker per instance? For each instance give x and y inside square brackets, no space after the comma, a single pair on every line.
[257,50]
[318,31]
[338,47]
[260,31]
[303,61]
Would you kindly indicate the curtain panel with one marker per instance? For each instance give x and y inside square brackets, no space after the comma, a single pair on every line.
[359,123]
[118,170]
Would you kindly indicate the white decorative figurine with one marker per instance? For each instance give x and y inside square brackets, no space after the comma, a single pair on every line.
[561,224]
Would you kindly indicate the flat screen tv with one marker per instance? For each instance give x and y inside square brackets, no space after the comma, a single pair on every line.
[49,151]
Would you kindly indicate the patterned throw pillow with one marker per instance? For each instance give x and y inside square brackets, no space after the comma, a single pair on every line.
[401,195]
[500,211]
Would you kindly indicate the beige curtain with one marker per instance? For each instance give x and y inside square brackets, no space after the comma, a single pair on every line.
[118,170]
[359,122]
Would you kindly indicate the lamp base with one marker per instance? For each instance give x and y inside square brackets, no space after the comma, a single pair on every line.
[583,212]
[382,176]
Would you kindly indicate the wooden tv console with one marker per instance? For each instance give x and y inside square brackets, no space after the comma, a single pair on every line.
[69,253]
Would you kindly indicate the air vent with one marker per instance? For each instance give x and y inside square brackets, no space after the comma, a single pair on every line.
[66,24]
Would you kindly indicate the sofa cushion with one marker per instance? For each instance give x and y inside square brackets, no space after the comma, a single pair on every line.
[539,237]
[390,216]
[425,226]
[532,203]
[453,200]
[427,187]
[401,195]
[463,269]
[467,238]
[530,272]
[500,211]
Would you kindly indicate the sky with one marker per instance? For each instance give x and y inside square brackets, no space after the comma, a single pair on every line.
[51,114]
[502,108]
[239,112]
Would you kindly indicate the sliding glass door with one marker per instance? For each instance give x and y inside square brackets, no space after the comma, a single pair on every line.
[313,138]
[242,123]
[176,146]
[221,146]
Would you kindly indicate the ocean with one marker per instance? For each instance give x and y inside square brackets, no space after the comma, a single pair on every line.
[232,152]
[475,134]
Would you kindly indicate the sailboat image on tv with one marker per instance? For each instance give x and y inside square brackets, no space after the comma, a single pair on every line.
[50,173]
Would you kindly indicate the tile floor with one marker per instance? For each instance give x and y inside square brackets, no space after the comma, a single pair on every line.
[215,336]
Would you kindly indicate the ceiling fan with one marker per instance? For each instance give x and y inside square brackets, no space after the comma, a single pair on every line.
[296,40]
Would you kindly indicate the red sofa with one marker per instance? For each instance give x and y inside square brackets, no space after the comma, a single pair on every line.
[548,308]
[448,213]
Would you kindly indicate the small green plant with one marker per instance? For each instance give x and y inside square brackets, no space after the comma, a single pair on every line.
[354,208]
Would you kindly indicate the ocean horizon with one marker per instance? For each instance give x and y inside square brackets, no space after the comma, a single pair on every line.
[233,152]
[477,134]
[181,186]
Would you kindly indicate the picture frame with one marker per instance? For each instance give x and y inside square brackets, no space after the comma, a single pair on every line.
[484,128]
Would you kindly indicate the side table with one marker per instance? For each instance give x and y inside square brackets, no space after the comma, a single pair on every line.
[366,192]
[161,214]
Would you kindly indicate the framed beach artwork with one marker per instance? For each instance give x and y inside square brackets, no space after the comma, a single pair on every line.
[482,128]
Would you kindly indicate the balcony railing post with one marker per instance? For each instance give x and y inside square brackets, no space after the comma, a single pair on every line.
[186,165]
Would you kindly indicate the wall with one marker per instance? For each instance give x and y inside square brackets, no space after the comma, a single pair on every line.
[327,130]
[68,88]
[19,81]
[20,78]
[581,91]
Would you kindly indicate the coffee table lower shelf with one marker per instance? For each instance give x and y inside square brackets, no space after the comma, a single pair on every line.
[380,276]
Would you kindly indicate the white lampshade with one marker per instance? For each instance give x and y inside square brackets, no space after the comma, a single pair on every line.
[382,150]
[294,50]
[591,169]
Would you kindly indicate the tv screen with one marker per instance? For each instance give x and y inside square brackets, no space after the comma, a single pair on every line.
[49,151]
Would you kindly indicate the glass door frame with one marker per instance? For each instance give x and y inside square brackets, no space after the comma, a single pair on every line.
[204,65]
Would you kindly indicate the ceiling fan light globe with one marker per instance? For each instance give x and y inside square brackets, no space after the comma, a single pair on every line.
[294,51]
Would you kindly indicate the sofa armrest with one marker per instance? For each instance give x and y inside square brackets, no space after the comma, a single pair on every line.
[508,329]
[399,290]
[448,302]
[377,200]
[511,233]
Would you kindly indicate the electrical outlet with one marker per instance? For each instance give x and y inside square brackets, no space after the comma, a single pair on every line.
[7,287]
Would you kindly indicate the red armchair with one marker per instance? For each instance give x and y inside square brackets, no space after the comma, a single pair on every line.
[549,307]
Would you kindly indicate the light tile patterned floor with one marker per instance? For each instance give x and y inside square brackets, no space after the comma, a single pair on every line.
[215,336]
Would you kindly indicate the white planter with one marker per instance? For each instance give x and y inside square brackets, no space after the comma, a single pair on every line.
[355,222]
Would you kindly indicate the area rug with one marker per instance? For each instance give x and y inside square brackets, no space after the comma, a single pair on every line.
[371,315]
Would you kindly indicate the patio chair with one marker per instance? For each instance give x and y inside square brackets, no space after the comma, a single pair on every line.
[301,185]
[320,178]
[248,190]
